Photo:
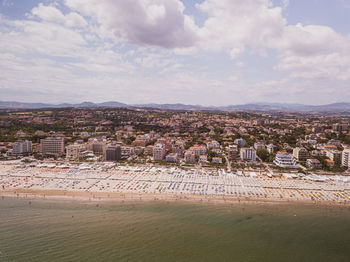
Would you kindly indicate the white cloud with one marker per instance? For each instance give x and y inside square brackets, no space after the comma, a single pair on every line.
[51,13]
[234,24]
[143,22]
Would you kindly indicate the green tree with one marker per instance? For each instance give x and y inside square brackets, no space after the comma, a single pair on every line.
[263,154]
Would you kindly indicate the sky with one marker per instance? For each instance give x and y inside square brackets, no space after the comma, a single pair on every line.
[204,52]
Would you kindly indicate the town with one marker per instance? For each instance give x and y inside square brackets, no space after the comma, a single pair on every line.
[283,141]
[237,154]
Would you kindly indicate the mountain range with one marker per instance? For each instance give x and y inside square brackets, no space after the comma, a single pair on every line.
[262,107]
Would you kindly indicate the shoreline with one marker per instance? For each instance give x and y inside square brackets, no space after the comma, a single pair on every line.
[106,197]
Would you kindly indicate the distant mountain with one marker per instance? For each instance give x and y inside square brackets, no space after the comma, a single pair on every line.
[174,106]
[252,107]
[20,105]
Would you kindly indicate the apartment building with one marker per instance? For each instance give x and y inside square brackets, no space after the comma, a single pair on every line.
[74,152]
[248,154]
[158,152]
[345,160]
[285,160]
[300,154]
[113,153]
[313,164]
[22,148]
[52,146]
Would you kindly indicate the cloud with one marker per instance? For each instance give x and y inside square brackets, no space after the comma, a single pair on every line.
[50,13]
[143,22]
[232,25]
[140,51]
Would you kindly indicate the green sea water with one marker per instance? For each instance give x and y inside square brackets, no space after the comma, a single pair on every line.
[44,230]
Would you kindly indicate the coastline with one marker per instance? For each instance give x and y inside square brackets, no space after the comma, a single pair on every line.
[114,197]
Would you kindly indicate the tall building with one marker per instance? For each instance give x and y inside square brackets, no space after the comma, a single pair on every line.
[113,153]
[52,146]
[98,146]
[158,152]
[345,160]
[284,159]
[233,151]
[22,148]
[300,154]
[248,154]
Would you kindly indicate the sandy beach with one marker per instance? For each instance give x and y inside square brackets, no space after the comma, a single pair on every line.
[143,183]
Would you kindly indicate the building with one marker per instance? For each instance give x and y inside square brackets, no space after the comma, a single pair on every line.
[248,154]
[20,133]
[149,150]
[340,127]
[334,142]
[313,163]
[259,145]
[345,160]
[127,151]
[158,152]
[199,150]
[203,158]
[139,142]
[285,160]
[233,151]
[270,148]
[22,148]
[74,152]
[300,154]
[240,142]
[113,153]
[333,154]
[217,160]
[178,148]
[52,146]
[190,157]
[172,157]
[98,146]
[213,144]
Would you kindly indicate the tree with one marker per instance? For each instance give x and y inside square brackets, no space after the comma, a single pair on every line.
[263,154]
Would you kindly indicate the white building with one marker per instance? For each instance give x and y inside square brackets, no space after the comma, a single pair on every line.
[22,147]
[345,160]
[284,159]
[52,146]
[259,145]
[270,148]
[213,144]
[172,157]
[74,152]
[158,152]
[248,154]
